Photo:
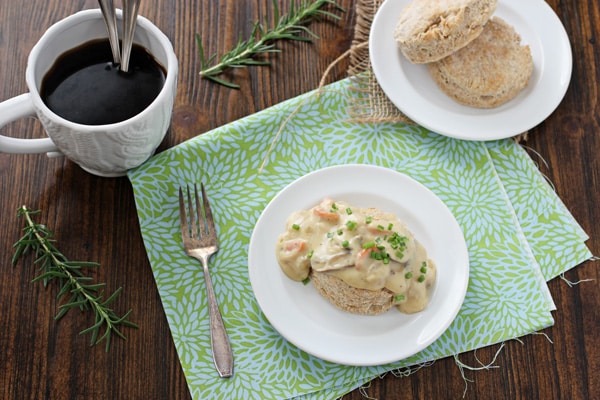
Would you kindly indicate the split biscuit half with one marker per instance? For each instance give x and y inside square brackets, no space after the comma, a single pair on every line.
[429,30]
[488,72]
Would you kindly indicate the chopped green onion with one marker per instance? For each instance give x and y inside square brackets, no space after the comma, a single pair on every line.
[310,254]
[351,225]
[329,235]
[369,219]
[305,281]
[421,278]
[399,298]
[408,275]
[390,226]
[296,227]
[397,241]
[368,245]
[340,232]
[349,211]
[345,243]
[334,207]
[380,227]
[399,254]
[423,270]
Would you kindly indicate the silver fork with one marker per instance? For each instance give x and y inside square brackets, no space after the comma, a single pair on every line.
[200,241]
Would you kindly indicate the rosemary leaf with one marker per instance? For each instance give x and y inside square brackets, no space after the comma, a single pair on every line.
[112,297]
[81,264]
[54,266]
[290,26]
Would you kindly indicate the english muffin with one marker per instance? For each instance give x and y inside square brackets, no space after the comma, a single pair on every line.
[429,30]
[488,72]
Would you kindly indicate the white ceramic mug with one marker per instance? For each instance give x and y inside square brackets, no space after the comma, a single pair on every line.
[104,150]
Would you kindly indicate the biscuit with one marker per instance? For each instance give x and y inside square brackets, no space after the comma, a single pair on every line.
[351,299]
[429,30]
[489,71]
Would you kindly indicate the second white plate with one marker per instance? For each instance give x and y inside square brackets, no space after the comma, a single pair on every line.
[411,89]
[307,320]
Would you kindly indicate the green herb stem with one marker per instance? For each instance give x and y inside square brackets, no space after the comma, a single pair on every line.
[289,26]
[54,265]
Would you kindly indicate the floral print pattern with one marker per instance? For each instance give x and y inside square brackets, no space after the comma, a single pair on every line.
[510,217]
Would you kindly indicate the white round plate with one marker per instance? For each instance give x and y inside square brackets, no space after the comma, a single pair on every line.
[411,88]
[309,321]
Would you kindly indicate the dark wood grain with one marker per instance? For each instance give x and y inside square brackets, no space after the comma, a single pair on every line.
[94,219]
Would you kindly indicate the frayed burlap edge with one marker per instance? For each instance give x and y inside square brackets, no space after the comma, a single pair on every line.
[367,102]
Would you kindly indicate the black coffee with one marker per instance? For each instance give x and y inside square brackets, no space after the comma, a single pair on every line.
[86,87]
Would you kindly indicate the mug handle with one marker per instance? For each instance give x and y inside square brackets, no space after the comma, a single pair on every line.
[16,108]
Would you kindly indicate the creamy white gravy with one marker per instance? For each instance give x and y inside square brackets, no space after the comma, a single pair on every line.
[365,247]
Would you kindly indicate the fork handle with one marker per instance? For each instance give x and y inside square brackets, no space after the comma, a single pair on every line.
[219,341]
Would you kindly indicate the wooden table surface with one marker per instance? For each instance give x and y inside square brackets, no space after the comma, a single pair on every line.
[95,218]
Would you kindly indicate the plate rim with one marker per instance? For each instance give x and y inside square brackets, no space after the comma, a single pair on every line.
[463,122]
[339,354]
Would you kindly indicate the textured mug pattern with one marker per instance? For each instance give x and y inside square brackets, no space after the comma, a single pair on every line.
[110,152]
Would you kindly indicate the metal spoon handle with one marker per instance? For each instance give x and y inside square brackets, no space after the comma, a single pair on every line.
[130,11]
[110,17]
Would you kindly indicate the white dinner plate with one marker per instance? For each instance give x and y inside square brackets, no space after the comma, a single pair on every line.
[411,88]
[309,321]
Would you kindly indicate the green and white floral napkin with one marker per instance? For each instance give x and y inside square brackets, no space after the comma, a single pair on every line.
[510,217]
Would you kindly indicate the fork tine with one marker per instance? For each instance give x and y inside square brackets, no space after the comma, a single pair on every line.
[185,232]
[201,223]
[193,215]
[208,213]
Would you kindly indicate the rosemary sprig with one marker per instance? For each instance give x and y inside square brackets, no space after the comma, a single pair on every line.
[288,26]
[83,293]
